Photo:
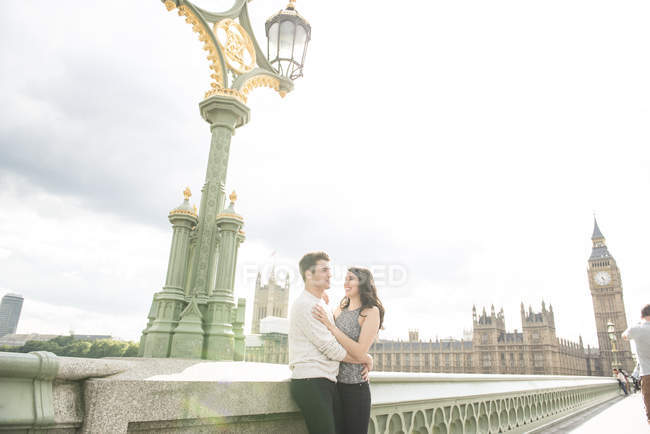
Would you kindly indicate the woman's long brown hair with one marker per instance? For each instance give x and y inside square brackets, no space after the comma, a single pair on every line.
[367,292]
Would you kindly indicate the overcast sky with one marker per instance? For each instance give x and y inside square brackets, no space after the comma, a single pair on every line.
[460,149]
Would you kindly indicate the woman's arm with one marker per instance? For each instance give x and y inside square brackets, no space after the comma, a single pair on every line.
[369,331]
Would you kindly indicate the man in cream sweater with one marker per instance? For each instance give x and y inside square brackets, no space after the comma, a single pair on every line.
[314,353]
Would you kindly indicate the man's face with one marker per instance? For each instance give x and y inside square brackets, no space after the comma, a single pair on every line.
[321,274]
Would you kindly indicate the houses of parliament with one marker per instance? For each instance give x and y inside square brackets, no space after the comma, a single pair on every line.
[490,349]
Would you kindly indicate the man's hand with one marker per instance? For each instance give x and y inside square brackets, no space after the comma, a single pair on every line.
[367,367]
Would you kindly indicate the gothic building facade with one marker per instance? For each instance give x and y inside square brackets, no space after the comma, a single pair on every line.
[535,349]
[271,299]
[490,349]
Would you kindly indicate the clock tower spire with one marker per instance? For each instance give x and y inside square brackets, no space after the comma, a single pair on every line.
[607,295]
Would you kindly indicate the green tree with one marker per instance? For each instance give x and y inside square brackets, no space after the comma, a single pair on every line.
[77,349]
[107,348]
[63,341]
[50,346]
[69,347]
[131,350]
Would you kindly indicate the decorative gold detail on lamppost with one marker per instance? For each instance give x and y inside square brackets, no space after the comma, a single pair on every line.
[236,44]
[227,92]
[233,196]
[262,81]
[187,193]
[208,43]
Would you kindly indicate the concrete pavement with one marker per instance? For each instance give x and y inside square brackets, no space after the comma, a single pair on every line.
[625,416]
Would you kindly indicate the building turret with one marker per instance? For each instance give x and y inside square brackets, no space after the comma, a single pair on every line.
[272,275]
[258,281]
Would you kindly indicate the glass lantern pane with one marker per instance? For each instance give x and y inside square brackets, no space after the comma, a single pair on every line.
[287,30]
[299,47]
[273,41]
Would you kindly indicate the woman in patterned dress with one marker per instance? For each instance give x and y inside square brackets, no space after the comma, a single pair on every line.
[357,321]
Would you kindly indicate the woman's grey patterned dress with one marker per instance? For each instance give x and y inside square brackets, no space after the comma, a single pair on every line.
[348,322]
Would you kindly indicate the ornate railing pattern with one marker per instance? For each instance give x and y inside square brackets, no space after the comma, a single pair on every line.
[518,412]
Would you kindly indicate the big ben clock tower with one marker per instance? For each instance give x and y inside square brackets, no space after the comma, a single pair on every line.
[607,296]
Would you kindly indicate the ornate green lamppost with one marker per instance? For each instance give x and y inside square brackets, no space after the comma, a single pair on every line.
[195,315]
[611,331]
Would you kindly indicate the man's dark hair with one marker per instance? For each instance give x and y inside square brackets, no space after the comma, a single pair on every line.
[646,310]
[308,262]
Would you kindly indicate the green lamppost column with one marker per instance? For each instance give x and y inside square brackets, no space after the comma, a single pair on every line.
[220,336]
[224,115]
[168,303]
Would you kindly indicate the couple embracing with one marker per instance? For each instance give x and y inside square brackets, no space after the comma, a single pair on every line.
[328,352]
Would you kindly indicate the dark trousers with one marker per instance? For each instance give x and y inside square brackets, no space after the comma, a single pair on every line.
[355,400]
[319,402]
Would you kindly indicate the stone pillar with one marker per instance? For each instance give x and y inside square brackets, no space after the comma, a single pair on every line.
[171,300]
[224,115]
[150,319]
[187,342]
[219,331]
[238,330]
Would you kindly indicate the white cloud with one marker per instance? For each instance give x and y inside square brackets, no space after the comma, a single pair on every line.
[470,145]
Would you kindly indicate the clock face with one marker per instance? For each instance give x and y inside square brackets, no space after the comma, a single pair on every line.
[602,278]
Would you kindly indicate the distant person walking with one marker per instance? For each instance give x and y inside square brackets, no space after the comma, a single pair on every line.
[622,381]
[640,334]
[636,379]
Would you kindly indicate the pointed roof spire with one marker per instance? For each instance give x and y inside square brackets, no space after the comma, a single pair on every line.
[272,276]
[597,233]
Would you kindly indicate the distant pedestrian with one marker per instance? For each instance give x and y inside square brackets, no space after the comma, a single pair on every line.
[636,379]
[640,334]
[622,383]
[628,379]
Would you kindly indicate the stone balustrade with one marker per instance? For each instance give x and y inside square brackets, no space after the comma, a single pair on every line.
[45,393]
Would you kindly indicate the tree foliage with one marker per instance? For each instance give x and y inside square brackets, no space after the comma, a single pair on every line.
[70,347]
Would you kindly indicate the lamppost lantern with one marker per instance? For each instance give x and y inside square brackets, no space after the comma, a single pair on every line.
[611,331]
[288,35]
